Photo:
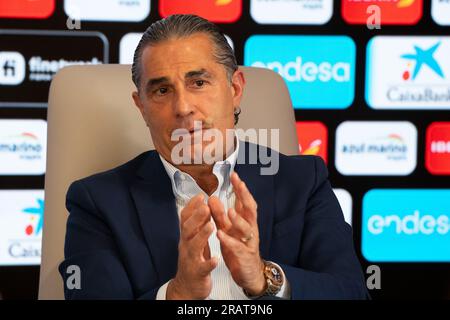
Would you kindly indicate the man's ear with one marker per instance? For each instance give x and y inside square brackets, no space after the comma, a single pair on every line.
[237,87]
[139,105]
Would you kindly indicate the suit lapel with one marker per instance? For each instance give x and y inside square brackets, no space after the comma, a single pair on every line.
[155,204]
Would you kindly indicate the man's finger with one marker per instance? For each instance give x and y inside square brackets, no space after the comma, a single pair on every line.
[198,243]
[207,266]
[218,213]
[244,195]
[197,219]
[240,226]
[188,209]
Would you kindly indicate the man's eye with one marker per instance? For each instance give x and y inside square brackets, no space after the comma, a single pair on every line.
[161,91]
[199,83]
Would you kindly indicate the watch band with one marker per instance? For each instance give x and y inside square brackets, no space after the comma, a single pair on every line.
[274,279]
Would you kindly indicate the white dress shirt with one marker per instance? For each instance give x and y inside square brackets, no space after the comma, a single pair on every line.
[184,188]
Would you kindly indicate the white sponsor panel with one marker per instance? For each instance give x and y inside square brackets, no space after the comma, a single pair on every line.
[376,148]
[107,10]
[21,220]
[291,12]
[440,11]
[23,147]
[345,201]
[127,46]
[406,72]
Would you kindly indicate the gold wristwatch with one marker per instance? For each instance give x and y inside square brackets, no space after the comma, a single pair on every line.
[274,279]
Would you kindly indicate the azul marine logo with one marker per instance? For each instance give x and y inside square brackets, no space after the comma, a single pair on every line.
[319,70]
[376,147]
[408,73]
[23,146]
[392,145]
[406,225]
[26,145]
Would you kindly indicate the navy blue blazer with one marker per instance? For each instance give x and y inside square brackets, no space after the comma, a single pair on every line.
[123,230]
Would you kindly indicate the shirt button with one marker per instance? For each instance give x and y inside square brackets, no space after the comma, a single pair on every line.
[182,177]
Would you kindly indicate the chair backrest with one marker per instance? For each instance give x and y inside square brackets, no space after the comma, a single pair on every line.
[93,126]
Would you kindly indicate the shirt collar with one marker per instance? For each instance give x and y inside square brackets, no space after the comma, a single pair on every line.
[184,186]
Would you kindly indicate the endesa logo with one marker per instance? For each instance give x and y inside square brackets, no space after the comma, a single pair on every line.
[312,138]
[27,9]
[408,72]
[394,12]
[376,148]
[319,70]
[221,11]
[406,225]
[437,154]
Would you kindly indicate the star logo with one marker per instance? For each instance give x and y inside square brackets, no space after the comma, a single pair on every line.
[37,213]
[423,57]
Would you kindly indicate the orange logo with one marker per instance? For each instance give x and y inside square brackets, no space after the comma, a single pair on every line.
[401,12]
[220,11]
[312,138]
[27,9]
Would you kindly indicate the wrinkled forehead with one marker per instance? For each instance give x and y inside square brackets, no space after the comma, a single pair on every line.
[180,55]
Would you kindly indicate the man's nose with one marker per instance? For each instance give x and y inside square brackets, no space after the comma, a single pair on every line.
[183,104]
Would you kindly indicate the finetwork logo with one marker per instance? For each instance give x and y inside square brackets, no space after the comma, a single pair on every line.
[437,154]
[21,220]
[12,68]
[408,73]
[409,225]
[376,148]
[291,12]
[44,69]
[392,12]
[319,70]
[23,145]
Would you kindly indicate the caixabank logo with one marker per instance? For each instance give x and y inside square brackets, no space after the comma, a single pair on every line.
[21,221]
[319,70]
[27,65]
[406,72]
[406,225]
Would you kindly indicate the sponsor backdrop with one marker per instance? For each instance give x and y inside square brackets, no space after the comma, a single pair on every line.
[370,85]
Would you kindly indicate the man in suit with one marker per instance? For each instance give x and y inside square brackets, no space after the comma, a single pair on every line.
[165,226]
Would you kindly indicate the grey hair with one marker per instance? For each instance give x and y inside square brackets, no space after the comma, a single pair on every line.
[178,26]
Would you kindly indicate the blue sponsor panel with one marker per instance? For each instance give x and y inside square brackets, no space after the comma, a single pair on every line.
[406,225]
[319,70]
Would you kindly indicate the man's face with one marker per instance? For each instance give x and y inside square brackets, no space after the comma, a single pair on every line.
[182,82]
